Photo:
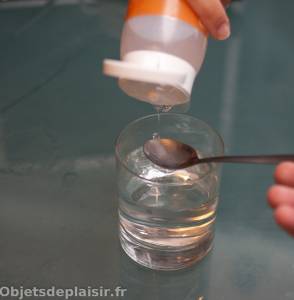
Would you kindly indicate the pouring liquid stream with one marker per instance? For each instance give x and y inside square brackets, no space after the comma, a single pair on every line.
[160,109]
[156,135]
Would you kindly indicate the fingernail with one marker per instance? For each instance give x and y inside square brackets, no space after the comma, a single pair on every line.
[223,31]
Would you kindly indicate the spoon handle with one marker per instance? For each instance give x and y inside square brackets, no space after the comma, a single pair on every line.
[250,159]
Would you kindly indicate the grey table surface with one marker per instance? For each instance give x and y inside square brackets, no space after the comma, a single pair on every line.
[58,219]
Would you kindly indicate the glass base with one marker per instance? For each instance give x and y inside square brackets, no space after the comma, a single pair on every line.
[167,257]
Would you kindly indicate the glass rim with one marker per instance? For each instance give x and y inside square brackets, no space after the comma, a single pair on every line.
[212,166]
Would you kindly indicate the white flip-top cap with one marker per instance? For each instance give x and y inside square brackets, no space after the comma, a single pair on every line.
[153,76]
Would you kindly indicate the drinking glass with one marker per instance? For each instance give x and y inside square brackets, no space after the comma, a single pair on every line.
[166,217]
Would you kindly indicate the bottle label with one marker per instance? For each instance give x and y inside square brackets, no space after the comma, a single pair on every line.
[179,9]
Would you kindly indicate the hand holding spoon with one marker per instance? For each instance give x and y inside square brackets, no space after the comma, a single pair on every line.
[172,154]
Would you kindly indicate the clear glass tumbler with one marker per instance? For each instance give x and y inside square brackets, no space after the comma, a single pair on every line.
[166,218]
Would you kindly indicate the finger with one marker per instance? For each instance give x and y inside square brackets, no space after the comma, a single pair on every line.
[213,16]
[280,195]
[284,216]
[284,174]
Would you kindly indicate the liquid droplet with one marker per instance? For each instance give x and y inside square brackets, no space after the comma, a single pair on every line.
[162,108]
[156,136]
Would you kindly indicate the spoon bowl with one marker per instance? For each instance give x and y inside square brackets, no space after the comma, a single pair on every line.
[169,153]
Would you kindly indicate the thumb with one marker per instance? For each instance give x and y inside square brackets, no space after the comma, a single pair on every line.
[213,16]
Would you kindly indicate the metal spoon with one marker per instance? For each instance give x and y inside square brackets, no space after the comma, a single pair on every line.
[172,154]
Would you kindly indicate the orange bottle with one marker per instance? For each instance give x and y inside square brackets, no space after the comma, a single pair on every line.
[163,45]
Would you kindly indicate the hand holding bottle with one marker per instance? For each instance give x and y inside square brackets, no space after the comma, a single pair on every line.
[213,16]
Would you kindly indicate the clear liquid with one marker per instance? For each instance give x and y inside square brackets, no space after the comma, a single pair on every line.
[166,221]
[160,109]
[176,209]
